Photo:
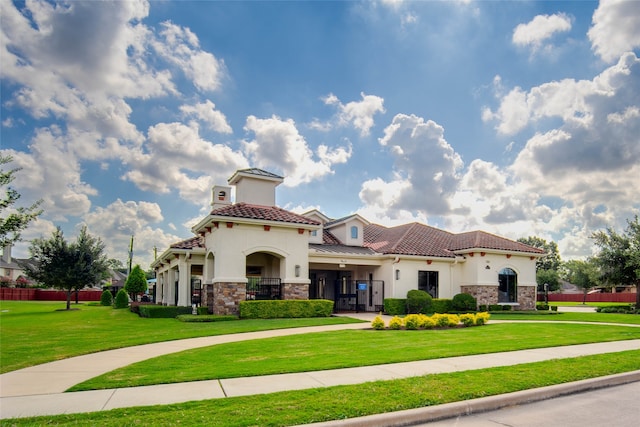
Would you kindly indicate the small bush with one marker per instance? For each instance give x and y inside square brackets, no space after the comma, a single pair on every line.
[395,306]
[464,302]
[285,309]
[418,302]
[395,323]
[441,305]
[122,299]
[495,307]
[483,307]
[554,308]
[482,318]
[468,319]
[203,311]
[412,321]
[377,323]
[542,306]
[427,322]
[106,298]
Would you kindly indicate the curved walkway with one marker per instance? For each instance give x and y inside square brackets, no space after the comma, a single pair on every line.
[39,390]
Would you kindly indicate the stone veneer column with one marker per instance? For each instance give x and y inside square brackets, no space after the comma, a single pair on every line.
[483,294]
[295,291]
[527,297]
[227,297]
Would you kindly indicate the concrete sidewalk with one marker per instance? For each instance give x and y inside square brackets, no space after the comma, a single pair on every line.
[33,401]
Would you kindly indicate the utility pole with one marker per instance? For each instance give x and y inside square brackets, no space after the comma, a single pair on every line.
[130,255]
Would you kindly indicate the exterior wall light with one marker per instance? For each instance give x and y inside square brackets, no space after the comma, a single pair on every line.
[297,270]
[397,274]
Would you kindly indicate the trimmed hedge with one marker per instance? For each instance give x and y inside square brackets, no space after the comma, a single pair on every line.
[418,302]
[162,311]
[285,309]
[441,305]
[464,302]
[395,306]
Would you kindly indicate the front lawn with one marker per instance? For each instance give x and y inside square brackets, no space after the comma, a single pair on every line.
[343,349]
[35,332]
[336,403]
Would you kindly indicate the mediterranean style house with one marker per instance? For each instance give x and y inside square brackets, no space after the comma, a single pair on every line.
[252,249]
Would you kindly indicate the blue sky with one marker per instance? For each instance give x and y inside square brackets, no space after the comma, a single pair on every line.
[517,118]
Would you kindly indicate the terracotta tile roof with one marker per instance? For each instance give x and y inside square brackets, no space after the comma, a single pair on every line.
[341,249]
[423,240]
[409,239]
[267,213]
[483,240]
[329,239]
[194,242]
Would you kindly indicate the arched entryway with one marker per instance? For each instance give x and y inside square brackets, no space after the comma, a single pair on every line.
[507,286]
[264,279]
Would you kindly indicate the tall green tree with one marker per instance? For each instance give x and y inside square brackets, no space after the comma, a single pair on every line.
[16,219]
[67,266]
[583,274]
[549,262]
[619,255]
[136,282]
[547,266]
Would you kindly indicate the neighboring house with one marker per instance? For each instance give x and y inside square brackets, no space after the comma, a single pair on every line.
[252,249]
[11,268]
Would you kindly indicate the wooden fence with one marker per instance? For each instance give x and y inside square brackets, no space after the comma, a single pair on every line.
[626,297]
[26,294]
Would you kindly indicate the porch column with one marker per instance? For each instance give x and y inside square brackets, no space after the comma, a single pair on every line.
[295,291]
[184,288]
[227,296]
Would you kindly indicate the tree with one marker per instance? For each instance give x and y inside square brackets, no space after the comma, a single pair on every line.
[136,282]
[583,274]
[619,255]
[549,277]
[549,262]
[16,221]
[67,266]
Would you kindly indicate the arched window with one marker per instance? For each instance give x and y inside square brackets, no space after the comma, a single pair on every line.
[354,232]
[507,286]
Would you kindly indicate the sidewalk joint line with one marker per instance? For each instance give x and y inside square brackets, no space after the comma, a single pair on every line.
[222,388]
[109,399]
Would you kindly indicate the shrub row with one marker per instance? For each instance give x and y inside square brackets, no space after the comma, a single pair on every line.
[402,306]
[624,309]
[162,311]
[437,320]
[278,309]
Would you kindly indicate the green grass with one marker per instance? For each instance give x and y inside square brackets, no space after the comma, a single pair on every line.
[343,349]
[38,332]
[629,319]
[334,403]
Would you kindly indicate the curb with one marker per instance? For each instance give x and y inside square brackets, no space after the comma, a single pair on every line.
[483,404]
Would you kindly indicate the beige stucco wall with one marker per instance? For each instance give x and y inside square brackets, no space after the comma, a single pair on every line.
[230,248]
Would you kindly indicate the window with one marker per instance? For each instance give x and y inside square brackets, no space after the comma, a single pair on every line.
[507,286]
[314,233]
[354,232]
[428,282]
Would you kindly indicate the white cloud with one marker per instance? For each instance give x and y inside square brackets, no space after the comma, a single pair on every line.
[540,29]
[278,144]
[182,47]
[615,29]
[117,222]
[176,156]
[359,114]
[426,168]
[206,112]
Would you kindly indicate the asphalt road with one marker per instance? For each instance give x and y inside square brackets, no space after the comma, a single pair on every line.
[612,406]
